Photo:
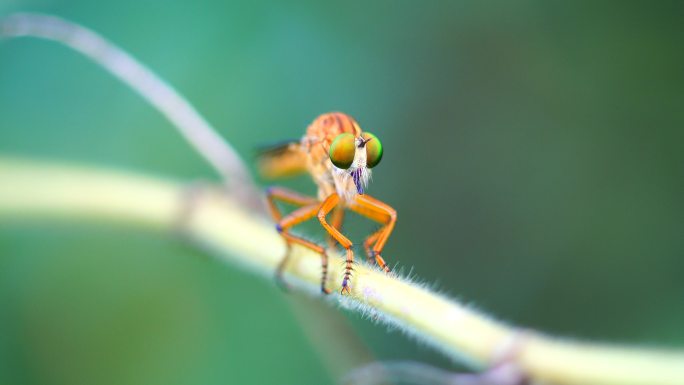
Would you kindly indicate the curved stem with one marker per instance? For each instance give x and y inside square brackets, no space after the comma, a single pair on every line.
[194,128]
[40,190]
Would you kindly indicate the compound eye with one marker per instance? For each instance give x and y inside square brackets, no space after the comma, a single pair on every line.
[373,149]
[342,150]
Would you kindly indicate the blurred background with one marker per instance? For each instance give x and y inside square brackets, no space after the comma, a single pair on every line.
[533,152]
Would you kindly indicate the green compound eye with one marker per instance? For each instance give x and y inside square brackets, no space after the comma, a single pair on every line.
[342,150]
[373,149]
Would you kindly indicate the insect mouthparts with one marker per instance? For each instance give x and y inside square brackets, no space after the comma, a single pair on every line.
[356,176]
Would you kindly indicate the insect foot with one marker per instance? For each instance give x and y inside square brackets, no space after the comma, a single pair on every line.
[381,262]
[346,287]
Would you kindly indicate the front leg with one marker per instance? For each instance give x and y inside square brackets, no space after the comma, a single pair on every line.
[379,212]
[369,242]
[328,205]
[336,221]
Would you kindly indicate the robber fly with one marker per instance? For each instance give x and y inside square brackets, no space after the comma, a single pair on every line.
[339,157]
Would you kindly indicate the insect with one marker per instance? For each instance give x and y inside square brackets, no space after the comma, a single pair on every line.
[339,156]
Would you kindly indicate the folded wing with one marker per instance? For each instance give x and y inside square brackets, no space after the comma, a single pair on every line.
[282,160]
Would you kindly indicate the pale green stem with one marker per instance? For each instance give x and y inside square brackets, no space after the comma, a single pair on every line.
[194,128]
[40,190]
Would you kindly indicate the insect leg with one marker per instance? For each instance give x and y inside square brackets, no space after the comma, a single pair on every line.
[274,194]
[328,205]
[379,212]
[284,224]
[336,220]
[369,242]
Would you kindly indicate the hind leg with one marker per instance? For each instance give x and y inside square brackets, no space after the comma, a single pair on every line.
[308,211]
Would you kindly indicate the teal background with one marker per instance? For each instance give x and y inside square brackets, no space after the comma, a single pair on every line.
[533,151]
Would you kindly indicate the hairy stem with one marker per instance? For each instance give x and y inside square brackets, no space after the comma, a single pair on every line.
[40,190]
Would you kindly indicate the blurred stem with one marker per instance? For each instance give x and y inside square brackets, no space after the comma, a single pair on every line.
[328,332]
[192,126]
[41,190]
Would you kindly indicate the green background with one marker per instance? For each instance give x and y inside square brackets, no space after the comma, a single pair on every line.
[533,151]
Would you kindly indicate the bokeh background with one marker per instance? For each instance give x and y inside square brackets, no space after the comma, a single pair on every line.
[533,152]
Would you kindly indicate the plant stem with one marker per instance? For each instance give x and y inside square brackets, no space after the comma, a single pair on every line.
[162,96]
[41,190]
